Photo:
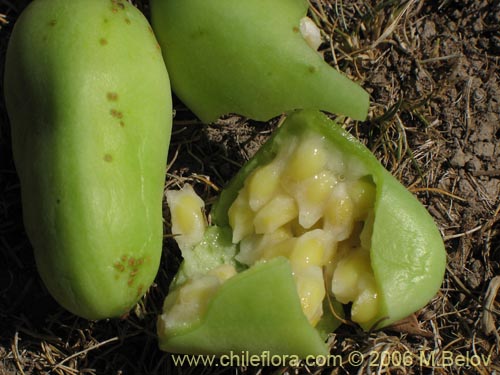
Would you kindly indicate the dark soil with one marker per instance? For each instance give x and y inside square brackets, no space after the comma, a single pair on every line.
[432,69]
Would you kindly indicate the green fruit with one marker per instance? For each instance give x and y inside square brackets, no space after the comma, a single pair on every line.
[312,221]
[250,57]
[89,101]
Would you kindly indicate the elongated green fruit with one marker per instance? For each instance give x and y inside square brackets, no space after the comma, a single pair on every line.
[89,102]
[256,58]
[311,221]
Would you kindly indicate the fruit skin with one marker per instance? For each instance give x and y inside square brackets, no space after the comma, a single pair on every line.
[89,102]
[248,57]
[407,253]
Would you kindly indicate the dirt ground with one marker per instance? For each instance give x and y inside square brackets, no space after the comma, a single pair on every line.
[432,69]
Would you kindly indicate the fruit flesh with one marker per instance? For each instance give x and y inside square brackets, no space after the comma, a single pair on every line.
[303,205]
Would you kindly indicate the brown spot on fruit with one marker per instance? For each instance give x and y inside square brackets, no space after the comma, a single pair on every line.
[112,96]
[140,289]
[119,266]
[124,258]
[108,158]
[52,23]
[130,281]
[103,41]
[127,21]
[115,113]
[117,5]
[296,29]
[134,272]
[131,262]
[122,124]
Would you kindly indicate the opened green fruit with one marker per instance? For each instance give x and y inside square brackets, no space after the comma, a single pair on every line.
[312,221]
[89,102]
[256,58]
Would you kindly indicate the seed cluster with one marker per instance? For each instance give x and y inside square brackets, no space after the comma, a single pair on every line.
[313,206]
[309,204]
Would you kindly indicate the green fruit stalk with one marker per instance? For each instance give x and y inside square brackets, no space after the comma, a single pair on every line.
[257,58]
[312,221]
[89,101]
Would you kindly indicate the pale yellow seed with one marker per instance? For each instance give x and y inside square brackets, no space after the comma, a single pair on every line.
[319,187]
[362,193]
[366,306]
[262,185]
[311,196]
[308,251]
[276,213]
[187,216]
[307,160]
[188,219]
[348,273]
[339,215]
[345,281]
[310,32]
[240,217]
[311,290]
